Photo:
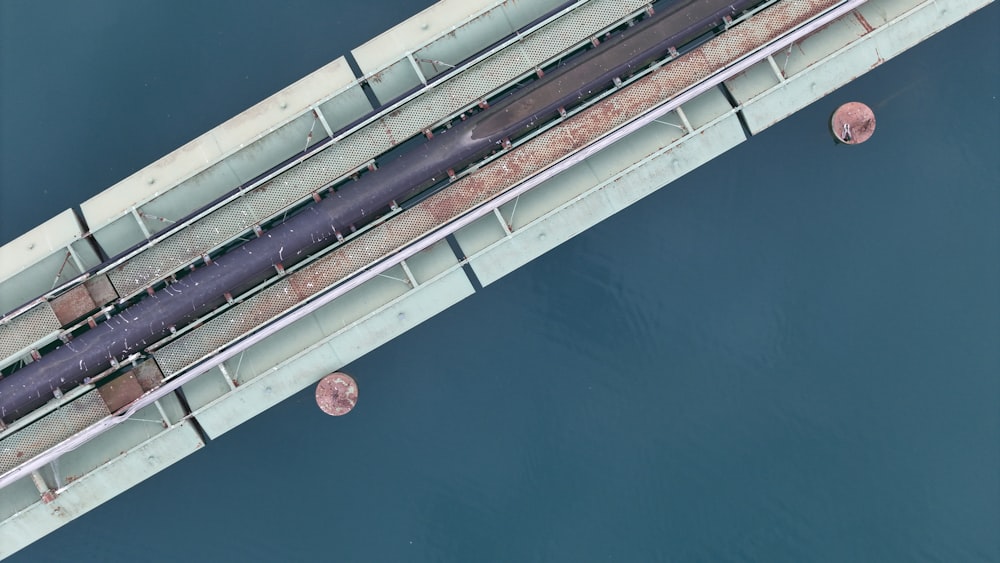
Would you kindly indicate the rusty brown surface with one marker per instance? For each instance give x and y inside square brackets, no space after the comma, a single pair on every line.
[864,22]
[121,391]
[73,304]
[148,375]
[616,110]
[337,393]
[853,123]
[101,290]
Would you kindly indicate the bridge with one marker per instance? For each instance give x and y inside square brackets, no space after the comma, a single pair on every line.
[231,185]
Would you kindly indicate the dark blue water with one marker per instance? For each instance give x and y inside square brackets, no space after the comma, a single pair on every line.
[770,360]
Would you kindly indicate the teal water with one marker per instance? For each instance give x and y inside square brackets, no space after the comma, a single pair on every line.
[770,360]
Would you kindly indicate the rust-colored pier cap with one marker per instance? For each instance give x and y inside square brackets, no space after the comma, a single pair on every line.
[853,123]
[337,393]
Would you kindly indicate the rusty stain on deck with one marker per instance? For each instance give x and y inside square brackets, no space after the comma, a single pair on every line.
[864,23]
[336,394]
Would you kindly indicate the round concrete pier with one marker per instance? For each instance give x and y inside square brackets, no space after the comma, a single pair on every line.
[337,393]
[853,123]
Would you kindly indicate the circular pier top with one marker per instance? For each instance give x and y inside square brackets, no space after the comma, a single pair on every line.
[337,393]
[853,123]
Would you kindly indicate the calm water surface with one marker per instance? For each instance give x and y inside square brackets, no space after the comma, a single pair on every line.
[789,355]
